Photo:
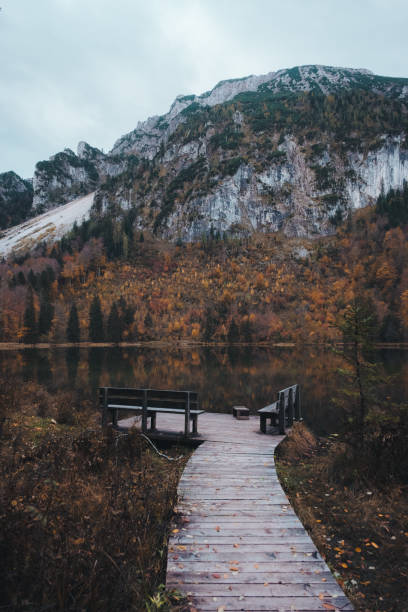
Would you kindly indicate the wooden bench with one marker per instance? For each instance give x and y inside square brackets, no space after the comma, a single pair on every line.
[284,411]
[147,403]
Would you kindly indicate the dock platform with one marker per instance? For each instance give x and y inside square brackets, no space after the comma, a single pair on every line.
[237,544]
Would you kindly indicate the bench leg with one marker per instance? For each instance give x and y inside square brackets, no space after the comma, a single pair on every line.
[263,423]
[195,423]
[153,422]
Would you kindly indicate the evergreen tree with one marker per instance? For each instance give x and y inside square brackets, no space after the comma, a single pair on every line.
[32,279]
[233,332]
[73,332]
[359,329]
[148,325]
[114,327]
[96,331]
[30,323]
[45,317]
[210,325]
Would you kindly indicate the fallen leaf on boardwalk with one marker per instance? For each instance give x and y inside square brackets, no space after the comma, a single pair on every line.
[358,549]
[217,528]
[321,595]
[266,583]
[374,544]
[234,569]
[182,547]
[230,588]
[328,606]
[181,566]
[226,575]
[221,609]
[216,576]
[344,565]
[236,545]
[256,566]
[324,579]
[175,530]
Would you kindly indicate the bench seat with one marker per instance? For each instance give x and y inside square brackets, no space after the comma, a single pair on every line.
[152,409]
[269,412]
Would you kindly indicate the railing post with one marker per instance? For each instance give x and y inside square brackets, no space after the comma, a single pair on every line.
[290,407]
[281,413]
[298,414]
[187,416]
[144,412]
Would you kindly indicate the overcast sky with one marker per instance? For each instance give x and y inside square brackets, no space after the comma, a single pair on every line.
[74,70]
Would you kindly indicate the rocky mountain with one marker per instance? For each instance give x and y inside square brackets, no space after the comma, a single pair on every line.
[292,150]
[16,196]
[146,139]
[66,176]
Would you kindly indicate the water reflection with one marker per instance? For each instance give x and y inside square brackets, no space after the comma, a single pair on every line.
[223,376]
[72,357]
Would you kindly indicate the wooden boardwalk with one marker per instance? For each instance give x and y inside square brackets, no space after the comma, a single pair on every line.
[238,544]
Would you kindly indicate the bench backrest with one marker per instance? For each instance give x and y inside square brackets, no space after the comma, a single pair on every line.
[156,398]
[147,398]
[289,405]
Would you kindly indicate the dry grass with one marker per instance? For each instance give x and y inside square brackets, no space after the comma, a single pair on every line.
[361,531]
[84,516]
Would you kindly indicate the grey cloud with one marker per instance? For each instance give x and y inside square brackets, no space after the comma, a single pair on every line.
[91,69]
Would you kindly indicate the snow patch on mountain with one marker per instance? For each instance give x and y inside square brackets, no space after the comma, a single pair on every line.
[51,225]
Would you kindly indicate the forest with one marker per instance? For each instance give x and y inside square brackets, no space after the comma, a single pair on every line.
[106,282]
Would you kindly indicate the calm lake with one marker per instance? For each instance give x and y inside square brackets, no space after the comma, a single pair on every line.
[223,376]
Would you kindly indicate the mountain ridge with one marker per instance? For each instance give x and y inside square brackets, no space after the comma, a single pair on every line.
[291,150]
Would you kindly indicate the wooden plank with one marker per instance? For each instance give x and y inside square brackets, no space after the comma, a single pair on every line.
[289,590]
[277,604]
[214,555]
[254,577]
[242,549]
[223,567]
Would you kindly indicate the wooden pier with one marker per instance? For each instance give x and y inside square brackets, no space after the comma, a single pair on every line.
[237,543]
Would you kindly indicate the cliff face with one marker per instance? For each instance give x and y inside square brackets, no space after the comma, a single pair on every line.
[292,150]
[289,194]
[67,176]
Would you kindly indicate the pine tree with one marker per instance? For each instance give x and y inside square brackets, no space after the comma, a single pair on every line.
[30,323]
[233,332]
[96,331]
[359,330]
[114,326]
[73,332]
[45,317]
